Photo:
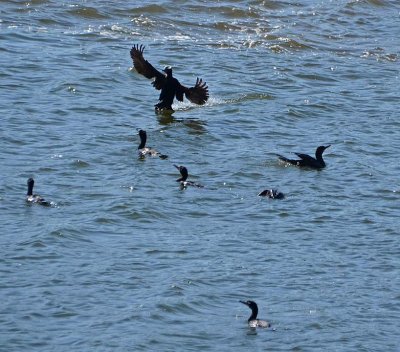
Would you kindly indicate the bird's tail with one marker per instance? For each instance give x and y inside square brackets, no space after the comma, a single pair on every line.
[286,160]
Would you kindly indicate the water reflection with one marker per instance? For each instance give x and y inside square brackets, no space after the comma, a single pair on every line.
[195,126]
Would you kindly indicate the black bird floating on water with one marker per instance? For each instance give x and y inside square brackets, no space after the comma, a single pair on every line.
[34,198]
[183,179]
[169,86]
[271,193]
[307,160]
[253,321]
[144,151]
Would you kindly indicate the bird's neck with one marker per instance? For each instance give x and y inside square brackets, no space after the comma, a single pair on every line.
[254,313]
[30,190]
[182,179]
[318,156]
[142,142]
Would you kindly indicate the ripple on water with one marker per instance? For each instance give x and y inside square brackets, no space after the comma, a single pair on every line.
[87,12]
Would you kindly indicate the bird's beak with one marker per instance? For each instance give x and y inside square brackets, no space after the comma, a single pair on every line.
[176,166]
[327,146]
[243,302]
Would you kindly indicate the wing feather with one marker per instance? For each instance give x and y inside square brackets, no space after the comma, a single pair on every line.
[305,156]
[197,94]
[145,68]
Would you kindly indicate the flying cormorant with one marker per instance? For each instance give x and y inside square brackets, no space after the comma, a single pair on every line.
[169,86]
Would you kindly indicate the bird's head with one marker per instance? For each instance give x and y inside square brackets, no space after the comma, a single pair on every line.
[183,171]
[168,71]
[142,133]
[251,304]
[323,147]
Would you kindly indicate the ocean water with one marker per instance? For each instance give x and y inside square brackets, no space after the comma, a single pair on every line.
[124,260]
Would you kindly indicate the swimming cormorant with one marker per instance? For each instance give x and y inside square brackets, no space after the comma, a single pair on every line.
[253,321]
[307,160]
[34,198]
[183,179]
[169,86]
[144,151]
[271,193]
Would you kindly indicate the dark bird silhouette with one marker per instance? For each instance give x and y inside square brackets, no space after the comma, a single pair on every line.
[253,321]
[34,198]
[183,179]
[271,193]
[144,151]
[307,160]
[169,86]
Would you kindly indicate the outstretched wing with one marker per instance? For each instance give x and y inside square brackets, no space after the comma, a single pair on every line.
[197,94]
[145,68]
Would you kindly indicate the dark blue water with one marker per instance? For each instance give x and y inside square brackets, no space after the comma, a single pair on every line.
[124,259]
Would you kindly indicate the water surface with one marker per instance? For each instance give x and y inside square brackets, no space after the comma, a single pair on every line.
[125,260]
